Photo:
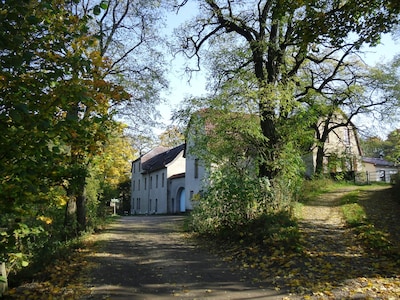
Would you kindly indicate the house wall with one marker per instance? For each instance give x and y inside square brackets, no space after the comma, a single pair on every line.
[144,189]
[176,188]
[150,191]
[379,173]
[157,193]
[194,179]
[342,145]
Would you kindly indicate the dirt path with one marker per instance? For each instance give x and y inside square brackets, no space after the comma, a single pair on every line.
[149,258]
[333,264]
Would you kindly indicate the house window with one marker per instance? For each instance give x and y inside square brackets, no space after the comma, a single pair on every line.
[149,205]
[134,168]
[157,181]
[138,203]
[382,175]
[162,179]
[133,185]
[156,208]
[196,168]
[145,183]
[138,185]
[151,182]
[347,136]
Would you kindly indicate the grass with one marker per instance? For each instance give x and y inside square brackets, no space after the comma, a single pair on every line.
[356,217]
[352,209]
[353,212]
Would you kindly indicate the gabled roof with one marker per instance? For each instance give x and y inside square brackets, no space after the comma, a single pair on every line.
[378,162]
[162,159]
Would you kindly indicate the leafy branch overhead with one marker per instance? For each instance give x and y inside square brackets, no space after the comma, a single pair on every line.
[280,43]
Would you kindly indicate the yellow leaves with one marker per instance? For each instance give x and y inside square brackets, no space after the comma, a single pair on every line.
[64,281]
[45,219]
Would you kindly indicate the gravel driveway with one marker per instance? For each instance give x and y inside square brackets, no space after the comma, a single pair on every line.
[148,257]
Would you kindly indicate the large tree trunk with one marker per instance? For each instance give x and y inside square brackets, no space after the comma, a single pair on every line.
[268,127]
[70,215]
[75,213]
[81,211]
[319,161]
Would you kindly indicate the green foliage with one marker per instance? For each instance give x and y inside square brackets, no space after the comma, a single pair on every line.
[241,207]
[55,118]
[376,240]
[354,214]
[350,197]
[311,189]
[372,146]
[356,217]
[392,143]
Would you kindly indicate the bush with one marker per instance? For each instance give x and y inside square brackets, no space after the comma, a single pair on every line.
[246,209]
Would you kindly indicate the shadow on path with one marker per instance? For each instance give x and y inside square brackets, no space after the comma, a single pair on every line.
[149,258]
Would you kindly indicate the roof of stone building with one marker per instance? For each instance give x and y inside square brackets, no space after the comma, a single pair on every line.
[160,160]
[378,161]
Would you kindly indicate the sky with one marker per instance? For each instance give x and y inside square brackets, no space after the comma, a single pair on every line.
[181,88]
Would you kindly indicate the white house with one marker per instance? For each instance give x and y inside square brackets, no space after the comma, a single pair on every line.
[378,169]
[158,182]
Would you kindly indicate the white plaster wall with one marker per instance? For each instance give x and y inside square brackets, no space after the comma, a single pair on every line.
[374,172]
[175,187]
[158,192]
[148,190]
[193,185]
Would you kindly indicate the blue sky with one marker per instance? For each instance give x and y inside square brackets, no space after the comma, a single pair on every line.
[180,88]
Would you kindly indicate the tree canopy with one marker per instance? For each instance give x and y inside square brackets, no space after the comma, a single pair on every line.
[278,41]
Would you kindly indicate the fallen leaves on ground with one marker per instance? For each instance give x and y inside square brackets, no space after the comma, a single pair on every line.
[64,279]
[333,263]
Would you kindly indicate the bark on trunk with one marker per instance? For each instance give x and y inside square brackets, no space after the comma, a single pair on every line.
[4,282]
[81,211]
[70,216]
[268,127]
[75,212]
[319,162]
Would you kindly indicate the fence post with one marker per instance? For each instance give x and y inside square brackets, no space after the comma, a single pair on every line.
[3,278]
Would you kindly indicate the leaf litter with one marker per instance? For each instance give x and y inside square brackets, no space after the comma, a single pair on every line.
[333,262]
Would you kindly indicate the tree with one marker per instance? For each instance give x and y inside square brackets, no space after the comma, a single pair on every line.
[373,146]
[392,143]
[172,137]
[129,38]
[275,40]
[55,105]
[109,173]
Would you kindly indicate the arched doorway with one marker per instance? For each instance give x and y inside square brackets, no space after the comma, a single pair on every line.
[182,200]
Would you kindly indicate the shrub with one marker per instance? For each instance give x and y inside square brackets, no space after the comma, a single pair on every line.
[246,209]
